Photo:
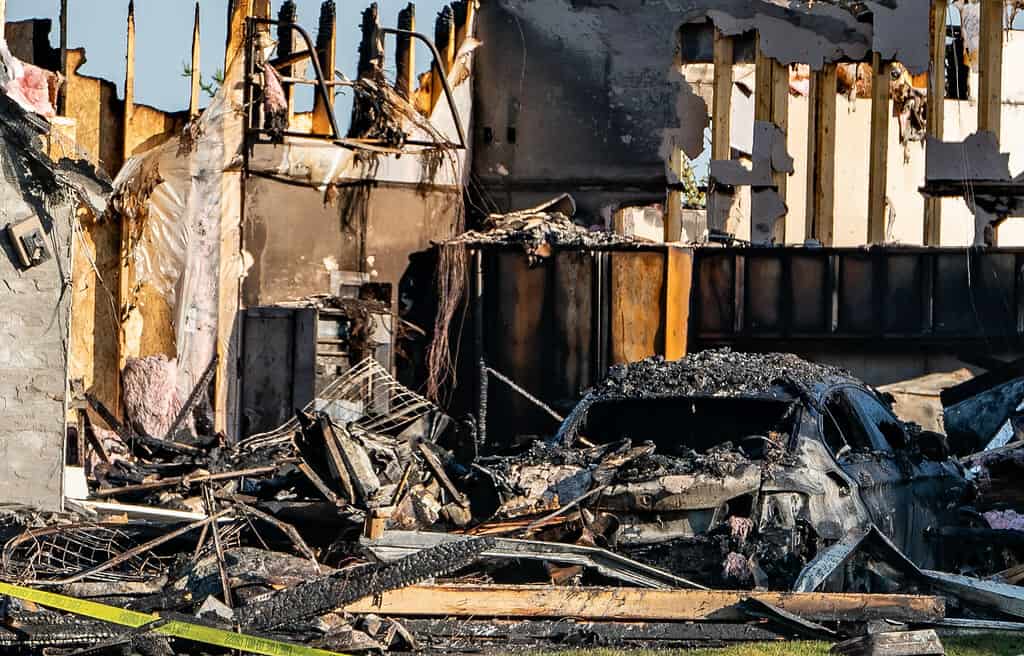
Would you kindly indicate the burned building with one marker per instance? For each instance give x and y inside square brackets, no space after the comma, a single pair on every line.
[547,327]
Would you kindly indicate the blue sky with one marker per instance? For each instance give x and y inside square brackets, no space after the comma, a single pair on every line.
[164,38]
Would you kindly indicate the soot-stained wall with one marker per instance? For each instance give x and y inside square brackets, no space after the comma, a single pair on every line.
[35,306]
[586,96]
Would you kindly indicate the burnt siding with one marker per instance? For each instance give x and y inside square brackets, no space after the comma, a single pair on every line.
[34,320]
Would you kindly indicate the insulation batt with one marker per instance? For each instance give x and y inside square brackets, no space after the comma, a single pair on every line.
[151,400]
[1005,520]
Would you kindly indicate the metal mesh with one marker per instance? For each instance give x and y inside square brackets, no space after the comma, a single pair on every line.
[366,397]
[40,555]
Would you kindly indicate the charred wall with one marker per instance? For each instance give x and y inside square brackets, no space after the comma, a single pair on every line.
[296,237]
[585,95]
[33,326]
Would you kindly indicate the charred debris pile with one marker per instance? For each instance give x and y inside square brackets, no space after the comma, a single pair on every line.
[681,503]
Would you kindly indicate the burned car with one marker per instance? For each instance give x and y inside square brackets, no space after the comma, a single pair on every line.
[757,462]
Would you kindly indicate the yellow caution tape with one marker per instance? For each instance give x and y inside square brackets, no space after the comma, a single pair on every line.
[173,628]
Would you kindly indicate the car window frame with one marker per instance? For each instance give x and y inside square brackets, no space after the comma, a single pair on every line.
[874,434]
[871,426]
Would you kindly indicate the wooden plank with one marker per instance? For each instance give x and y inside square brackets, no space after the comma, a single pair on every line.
[639,604]
[771,104]
[764,78]
[327,48]
[129,83]
[673,221]
[637,305]
[465,29]
[878,168]
[405,54]
[719,203]
[518,339]
[62,98]
[287,42]
[239,10]
[678,283]
[721,110]
[990,66]
[893,643]
[193,102]
[572,346]
[821,152]
[444,39]
[780,117]
[936,98]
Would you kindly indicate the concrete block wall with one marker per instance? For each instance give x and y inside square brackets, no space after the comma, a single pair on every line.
[34,324]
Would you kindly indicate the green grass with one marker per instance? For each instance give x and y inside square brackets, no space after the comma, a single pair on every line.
[984,645]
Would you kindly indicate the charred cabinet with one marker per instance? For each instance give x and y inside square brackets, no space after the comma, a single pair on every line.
[290,353]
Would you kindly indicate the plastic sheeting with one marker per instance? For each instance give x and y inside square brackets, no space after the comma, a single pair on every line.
[182,202]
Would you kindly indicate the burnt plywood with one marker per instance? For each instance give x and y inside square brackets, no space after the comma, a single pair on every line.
[637,305]
[93,353]
[278,351]
[518,337]
[716,293]
[573,325]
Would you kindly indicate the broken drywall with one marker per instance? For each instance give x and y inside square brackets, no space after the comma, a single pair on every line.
[975,158]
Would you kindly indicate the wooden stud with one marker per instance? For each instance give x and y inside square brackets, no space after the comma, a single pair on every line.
[721,111]
[879,154]
[672,227]
[326,48]
[721,125]
[238,12]
[780,117]
[771,104]
[678,282]
[62,99]
[405,54]
[286,42]
[444,39]
[936,111]
[990,66]
[370,67]
[821,152]
[764,78]
[465,28]
[129,82]
[193,103]
[639,604]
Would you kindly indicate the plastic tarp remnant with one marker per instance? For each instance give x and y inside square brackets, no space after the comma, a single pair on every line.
[182,202]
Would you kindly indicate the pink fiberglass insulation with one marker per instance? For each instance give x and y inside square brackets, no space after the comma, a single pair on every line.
[1005,520]
[735,567]
[34,88]
[151,399]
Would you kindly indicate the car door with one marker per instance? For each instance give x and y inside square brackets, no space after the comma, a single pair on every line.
[858,429]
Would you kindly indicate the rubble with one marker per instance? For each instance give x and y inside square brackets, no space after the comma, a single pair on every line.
[236,534]
[540,230]
[700,497]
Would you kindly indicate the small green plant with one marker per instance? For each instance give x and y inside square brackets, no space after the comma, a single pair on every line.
[693,197]
[212,87]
